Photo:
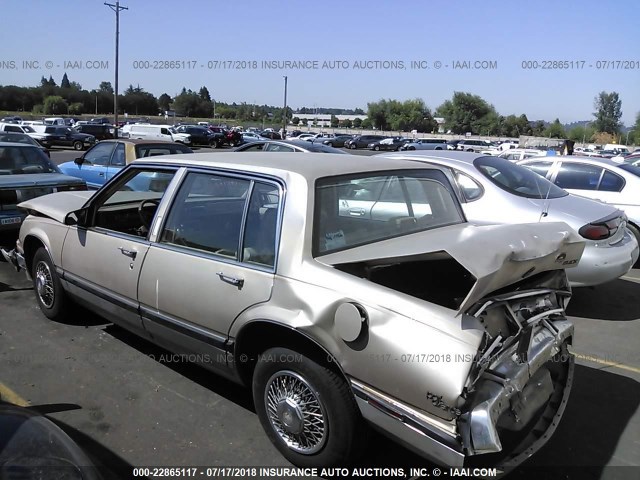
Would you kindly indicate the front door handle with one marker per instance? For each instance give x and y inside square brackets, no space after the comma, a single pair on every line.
[357,212]
[236,282]
[129,253]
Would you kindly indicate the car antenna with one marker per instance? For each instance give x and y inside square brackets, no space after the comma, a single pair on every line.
[546,204]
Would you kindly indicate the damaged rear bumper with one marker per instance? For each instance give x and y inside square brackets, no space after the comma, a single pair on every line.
[15,258]
[526,397]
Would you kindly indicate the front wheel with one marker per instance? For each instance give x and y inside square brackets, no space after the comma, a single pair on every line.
[51,298]
[77,145]
[636,233]
[307,410]
[214,144]
[353,146]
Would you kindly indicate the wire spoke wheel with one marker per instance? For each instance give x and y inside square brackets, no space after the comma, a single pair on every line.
[295,412]
[44,284]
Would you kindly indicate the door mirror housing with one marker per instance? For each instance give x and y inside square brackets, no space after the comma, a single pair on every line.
[77,217]
[78,161]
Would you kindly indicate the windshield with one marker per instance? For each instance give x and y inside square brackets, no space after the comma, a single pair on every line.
[17,138]
[369,207]
[20,160]
[517,179]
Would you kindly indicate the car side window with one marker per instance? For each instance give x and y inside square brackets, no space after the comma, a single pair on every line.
[119,158]
[611,182]
[260,235]
[274,147]
[100,154]
[579,176]
[471,190]
[207,214]
[541,168]
[129,205]
[255,148]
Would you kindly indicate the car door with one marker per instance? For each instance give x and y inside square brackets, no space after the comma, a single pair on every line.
[102,256]
[213,258]
[93,168]
[579,178]
[117,161]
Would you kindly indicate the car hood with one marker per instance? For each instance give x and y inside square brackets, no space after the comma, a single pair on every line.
[27,180]
[57,205]
[496,255]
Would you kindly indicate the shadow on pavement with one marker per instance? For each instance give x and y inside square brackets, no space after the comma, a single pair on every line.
[598,412]
[210,380]
[615,300]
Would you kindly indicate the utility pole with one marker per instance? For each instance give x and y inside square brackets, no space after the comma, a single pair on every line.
[284,114]
[116,8]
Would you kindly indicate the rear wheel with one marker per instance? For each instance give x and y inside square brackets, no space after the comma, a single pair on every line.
[77,145]
[307,410]
[214,144]
[353,146]
[51,298]
[376,148]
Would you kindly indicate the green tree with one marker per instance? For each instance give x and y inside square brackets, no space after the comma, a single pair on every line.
[634,136]
[608,112]
[65,81]
[55,104]
[204,94]
[105,87]
[466,112]
[164,101]
[367,123]
[347,123]
[305,121]
[76,108]
[403,116]
[357,122]
[581,133]
[537,130]
[334,121]
[555,130]
[295,120]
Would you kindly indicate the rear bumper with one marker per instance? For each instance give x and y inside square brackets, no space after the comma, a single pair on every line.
[474,437]
[14,258]
[601,264]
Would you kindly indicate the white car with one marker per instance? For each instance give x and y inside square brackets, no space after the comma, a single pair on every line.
[517,154]
[495,191]
[597,178]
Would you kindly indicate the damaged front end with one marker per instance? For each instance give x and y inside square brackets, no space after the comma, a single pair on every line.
[520,383]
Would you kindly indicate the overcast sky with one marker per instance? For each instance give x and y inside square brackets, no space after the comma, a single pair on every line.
[196,34]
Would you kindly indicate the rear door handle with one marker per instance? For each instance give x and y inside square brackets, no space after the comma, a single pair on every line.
[357,212]
[129,253]
[236,282]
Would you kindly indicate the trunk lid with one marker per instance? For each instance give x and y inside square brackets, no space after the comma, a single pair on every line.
[496,255]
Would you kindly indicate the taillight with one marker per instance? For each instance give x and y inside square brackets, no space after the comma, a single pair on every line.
[603,228]
[595,232]
[70,188]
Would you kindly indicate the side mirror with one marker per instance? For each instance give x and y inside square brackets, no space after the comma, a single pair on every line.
[78,217]
[78,161]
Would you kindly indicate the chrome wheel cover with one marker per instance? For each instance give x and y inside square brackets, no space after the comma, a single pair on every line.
[295,412]
[44,284]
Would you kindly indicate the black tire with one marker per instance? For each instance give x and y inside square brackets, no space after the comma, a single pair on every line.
[411,148]
[50,295]
[214,144]
[353,146]
[376,148]
[469,149]
[78,145]
[323,392]
[330,144]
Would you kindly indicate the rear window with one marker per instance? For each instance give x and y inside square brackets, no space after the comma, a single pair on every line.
[369,207]
[23,160]
[516,179]
[143,151]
